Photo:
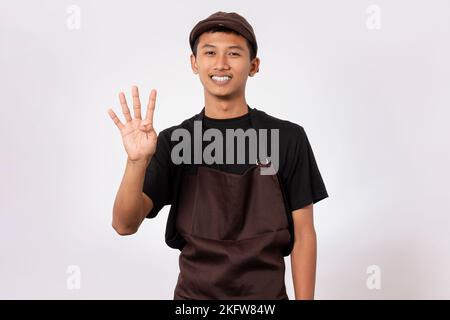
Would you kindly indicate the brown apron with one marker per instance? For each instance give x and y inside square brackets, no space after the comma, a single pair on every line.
[236,230]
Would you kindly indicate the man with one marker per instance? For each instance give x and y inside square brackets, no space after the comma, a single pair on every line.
[232,222]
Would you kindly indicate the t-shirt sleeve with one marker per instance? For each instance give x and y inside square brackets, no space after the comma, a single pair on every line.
[303,181]
[159,176]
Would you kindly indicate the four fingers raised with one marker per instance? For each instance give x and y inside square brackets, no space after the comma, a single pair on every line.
[148,121]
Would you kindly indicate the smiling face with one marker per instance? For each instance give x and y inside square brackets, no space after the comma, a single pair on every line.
[223,64]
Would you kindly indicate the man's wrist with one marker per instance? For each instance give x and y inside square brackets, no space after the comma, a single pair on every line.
[139,163]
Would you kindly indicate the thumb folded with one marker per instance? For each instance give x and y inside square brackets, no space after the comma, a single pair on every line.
[144,125]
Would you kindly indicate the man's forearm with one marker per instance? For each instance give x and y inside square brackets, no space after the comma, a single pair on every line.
[127,212]
[303,265]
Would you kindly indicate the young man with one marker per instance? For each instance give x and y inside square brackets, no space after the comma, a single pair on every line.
[232,222]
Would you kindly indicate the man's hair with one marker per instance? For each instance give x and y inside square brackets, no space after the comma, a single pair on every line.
[226,30]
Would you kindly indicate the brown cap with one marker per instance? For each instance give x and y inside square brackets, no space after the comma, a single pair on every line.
[230,20]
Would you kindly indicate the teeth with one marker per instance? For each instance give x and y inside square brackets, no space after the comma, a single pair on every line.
[225,78]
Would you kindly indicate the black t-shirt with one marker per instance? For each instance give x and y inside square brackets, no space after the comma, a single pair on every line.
[298,170]
[242,122]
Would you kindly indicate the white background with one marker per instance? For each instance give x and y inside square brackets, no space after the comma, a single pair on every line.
[374,103]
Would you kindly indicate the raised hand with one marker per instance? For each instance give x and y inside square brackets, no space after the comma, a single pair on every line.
[138,135]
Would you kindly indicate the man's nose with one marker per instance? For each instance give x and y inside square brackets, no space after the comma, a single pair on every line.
[221,62]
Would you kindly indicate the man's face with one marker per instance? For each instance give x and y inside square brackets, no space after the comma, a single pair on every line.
[223,54]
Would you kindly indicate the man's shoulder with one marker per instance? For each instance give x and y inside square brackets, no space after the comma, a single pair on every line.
[268,121]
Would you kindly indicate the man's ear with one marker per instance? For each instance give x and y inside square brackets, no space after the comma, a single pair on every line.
[254,68]
[194,64]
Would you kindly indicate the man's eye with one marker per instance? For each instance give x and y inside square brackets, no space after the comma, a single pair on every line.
[235,53]
[208,52]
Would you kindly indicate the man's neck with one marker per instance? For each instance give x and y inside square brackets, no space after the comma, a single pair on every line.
[225,109]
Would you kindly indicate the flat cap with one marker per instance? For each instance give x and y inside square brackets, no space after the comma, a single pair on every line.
[231,20]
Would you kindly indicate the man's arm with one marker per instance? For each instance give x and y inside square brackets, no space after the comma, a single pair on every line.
[131,205]
[304,252]
[140,139]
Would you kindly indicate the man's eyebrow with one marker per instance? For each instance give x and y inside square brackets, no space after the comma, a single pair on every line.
[230,47]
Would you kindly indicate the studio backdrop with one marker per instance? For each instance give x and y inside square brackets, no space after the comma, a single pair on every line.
[369,81]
